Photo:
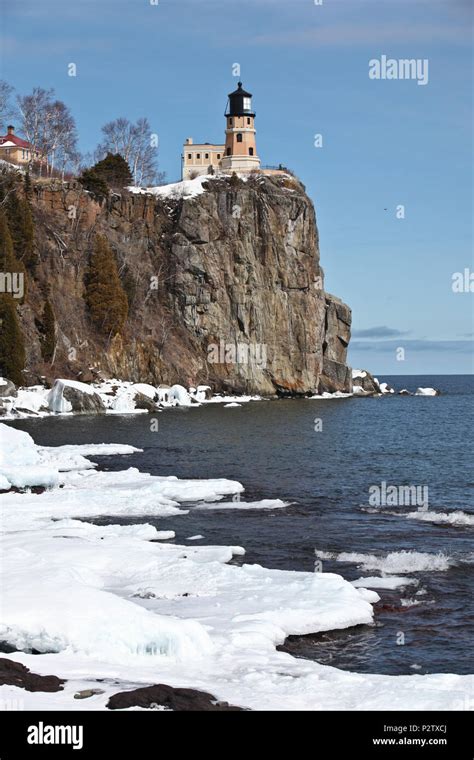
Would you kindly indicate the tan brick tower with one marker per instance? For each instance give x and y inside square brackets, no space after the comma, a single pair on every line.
[240,152]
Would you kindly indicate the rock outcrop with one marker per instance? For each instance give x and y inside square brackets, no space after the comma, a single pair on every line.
[225,289]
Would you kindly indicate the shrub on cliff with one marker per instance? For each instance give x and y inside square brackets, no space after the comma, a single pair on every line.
[12,347]
[48,332]
[94,183]
[22,230]
[112,172]
[105,297]
[12,271]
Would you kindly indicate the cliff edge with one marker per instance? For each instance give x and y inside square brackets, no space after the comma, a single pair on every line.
[223,280]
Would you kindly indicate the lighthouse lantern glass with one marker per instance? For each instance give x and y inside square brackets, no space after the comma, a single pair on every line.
[247,104]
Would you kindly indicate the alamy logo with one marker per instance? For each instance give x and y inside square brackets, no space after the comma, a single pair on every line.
[398,496]
[12,282]
[41,734]
[402,68]
[254,354]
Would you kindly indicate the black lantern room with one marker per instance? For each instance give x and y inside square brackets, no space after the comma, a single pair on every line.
[240,103]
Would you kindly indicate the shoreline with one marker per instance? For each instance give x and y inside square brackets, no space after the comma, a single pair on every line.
[177,615]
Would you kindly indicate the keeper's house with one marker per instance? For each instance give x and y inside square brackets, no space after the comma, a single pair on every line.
[17,151]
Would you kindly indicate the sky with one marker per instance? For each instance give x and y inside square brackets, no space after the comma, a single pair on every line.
[392,181]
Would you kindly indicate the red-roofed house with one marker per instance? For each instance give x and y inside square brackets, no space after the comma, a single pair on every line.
[17,151]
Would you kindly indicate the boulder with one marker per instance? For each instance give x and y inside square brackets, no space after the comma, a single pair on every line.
[15,674]
[365,384]
[72,396]
[7,388]
[145,402]
[161,695]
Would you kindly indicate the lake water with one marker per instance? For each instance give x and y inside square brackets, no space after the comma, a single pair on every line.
[275,449]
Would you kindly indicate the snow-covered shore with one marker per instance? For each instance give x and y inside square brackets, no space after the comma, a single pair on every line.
[124,397]
[179,615]
[109,396]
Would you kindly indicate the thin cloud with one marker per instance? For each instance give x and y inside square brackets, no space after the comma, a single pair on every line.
[364,34]
[379,332]
[414,345]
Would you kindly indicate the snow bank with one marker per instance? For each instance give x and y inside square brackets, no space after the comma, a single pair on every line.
[189,188]
[180,395]
[20,463]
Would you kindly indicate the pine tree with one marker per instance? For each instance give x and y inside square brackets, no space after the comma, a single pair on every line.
[22,230]
[105,296]
[94,183]
[28,187]
[9,264]
[112,172]
[48,329]
[12,347]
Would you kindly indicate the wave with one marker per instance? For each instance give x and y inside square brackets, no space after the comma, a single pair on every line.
[457,518]
[395,562]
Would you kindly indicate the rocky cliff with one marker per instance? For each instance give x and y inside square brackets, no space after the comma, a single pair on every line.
[224,288]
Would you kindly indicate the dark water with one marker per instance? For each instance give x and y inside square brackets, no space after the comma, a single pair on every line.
[274,450]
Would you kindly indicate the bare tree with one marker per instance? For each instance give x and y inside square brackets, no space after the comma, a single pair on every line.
[49,126]
[33,111]
[5,104]
[62,137]
[136,144]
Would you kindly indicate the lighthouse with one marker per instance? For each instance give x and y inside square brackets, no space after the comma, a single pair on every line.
[240,151]
[239,154]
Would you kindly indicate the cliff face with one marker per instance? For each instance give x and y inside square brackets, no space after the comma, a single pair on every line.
[225,289]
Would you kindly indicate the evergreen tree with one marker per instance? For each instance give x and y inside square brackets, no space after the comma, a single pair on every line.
[12,347]
[8,261]
[94,183]
[105,296]
[22,230]
[112,172]
[48,329]
[28,187]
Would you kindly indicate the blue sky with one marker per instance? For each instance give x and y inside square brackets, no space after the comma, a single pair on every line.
[385,142]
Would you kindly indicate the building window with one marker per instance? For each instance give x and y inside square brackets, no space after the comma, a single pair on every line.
[228,151]
[218,156]
[250,151]
[248,120]
[207,155]
[190,155]
[247,104]
[230,122]
[239,137]
[198,155]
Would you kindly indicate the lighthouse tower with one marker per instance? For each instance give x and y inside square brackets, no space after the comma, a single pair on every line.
[240,152]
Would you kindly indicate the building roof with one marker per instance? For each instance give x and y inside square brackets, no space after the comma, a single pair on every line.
[240,91]
[10,140]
